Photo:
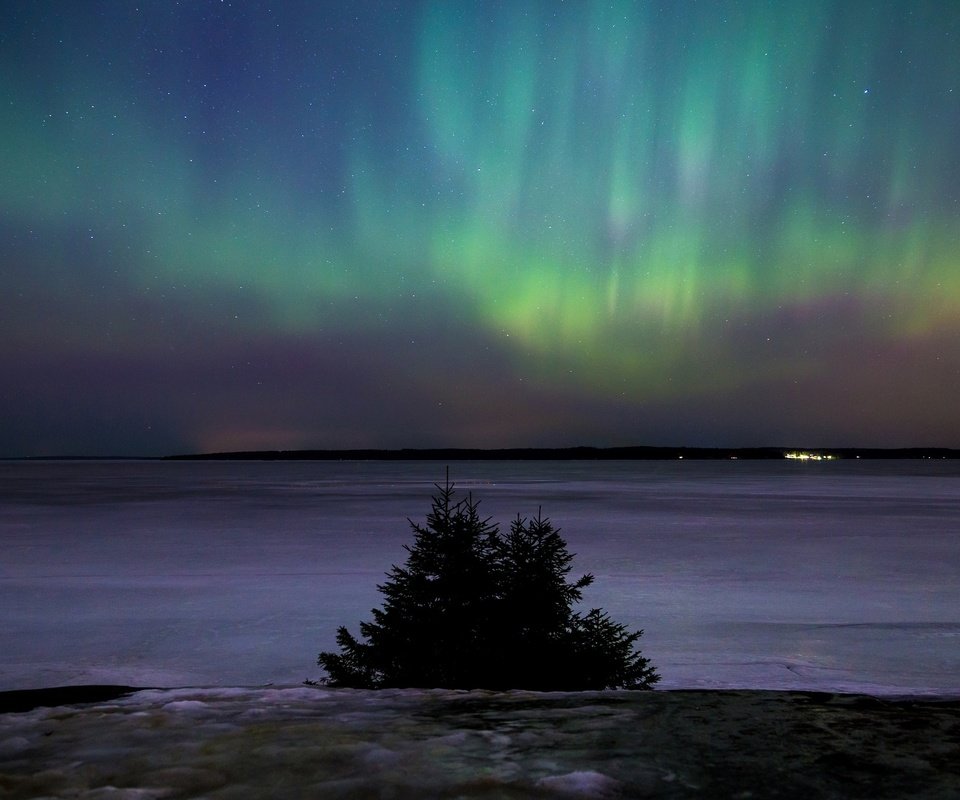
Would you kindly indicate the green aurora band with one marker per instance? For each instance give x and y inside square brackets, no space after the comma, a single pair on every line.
[624,182]
[636,200]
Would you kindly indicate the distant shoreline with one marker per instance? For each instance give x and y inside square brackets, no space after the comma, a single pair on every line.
[628,453]
[638,453]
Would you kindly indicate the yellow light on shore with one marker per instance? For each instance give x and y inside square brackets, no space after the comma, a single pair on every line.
[806,456]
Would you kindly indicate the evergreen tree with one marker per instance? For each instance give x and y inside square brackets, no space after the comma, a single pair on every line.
[472,608]
[535,608]
[603,655]
[433,627]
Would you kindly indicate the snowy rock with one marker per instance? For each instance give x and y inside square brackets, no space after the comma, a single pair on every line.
[303,742]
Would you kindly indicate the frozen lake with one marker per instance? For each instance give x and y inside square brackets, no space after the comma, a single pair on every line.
[834,576]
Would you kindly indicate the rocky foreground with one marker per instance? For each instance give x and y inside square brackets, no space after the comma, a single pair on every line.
[315,743]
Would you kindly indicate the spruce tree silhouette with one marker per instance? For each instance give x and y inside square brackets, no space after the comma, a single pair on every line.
[536,620]
[474,609]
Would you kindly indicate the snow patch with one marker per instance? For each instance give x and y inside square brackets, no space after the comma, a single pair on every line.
[186,707]
[582,783]
[13,746]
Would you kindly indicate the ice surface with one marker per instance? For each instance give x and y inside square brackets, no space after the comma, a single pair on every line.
[835,576]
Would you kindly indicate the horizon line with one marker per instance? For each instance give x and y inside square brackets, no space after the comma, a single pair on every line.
[569,453]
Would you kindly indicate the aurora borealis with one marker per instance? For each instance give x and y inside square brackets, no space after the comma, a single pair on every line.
[416,224]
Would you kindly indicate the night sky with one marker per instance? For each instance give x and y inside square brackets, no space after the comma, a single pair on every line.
[417,224]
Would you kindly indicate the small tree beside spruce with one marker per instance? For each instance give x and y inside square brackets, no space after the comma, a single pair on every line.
[473,608]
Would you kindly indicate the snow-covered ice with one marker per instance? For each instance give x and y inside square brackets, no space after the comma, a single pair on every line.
[840,575]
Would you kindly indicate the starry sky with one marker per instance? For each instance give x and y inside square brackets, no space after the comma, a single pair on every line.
[243,225]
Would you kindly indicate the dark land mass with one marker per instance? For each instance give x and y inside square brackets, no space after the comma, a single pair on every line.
[573,454]
[20,700]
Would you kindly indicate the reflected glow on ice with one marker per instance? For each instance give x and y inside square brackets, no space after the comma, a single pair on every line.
[789,575]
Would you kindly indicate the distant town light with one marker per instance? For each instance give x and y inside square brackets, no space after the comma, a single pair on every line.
[806,456]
